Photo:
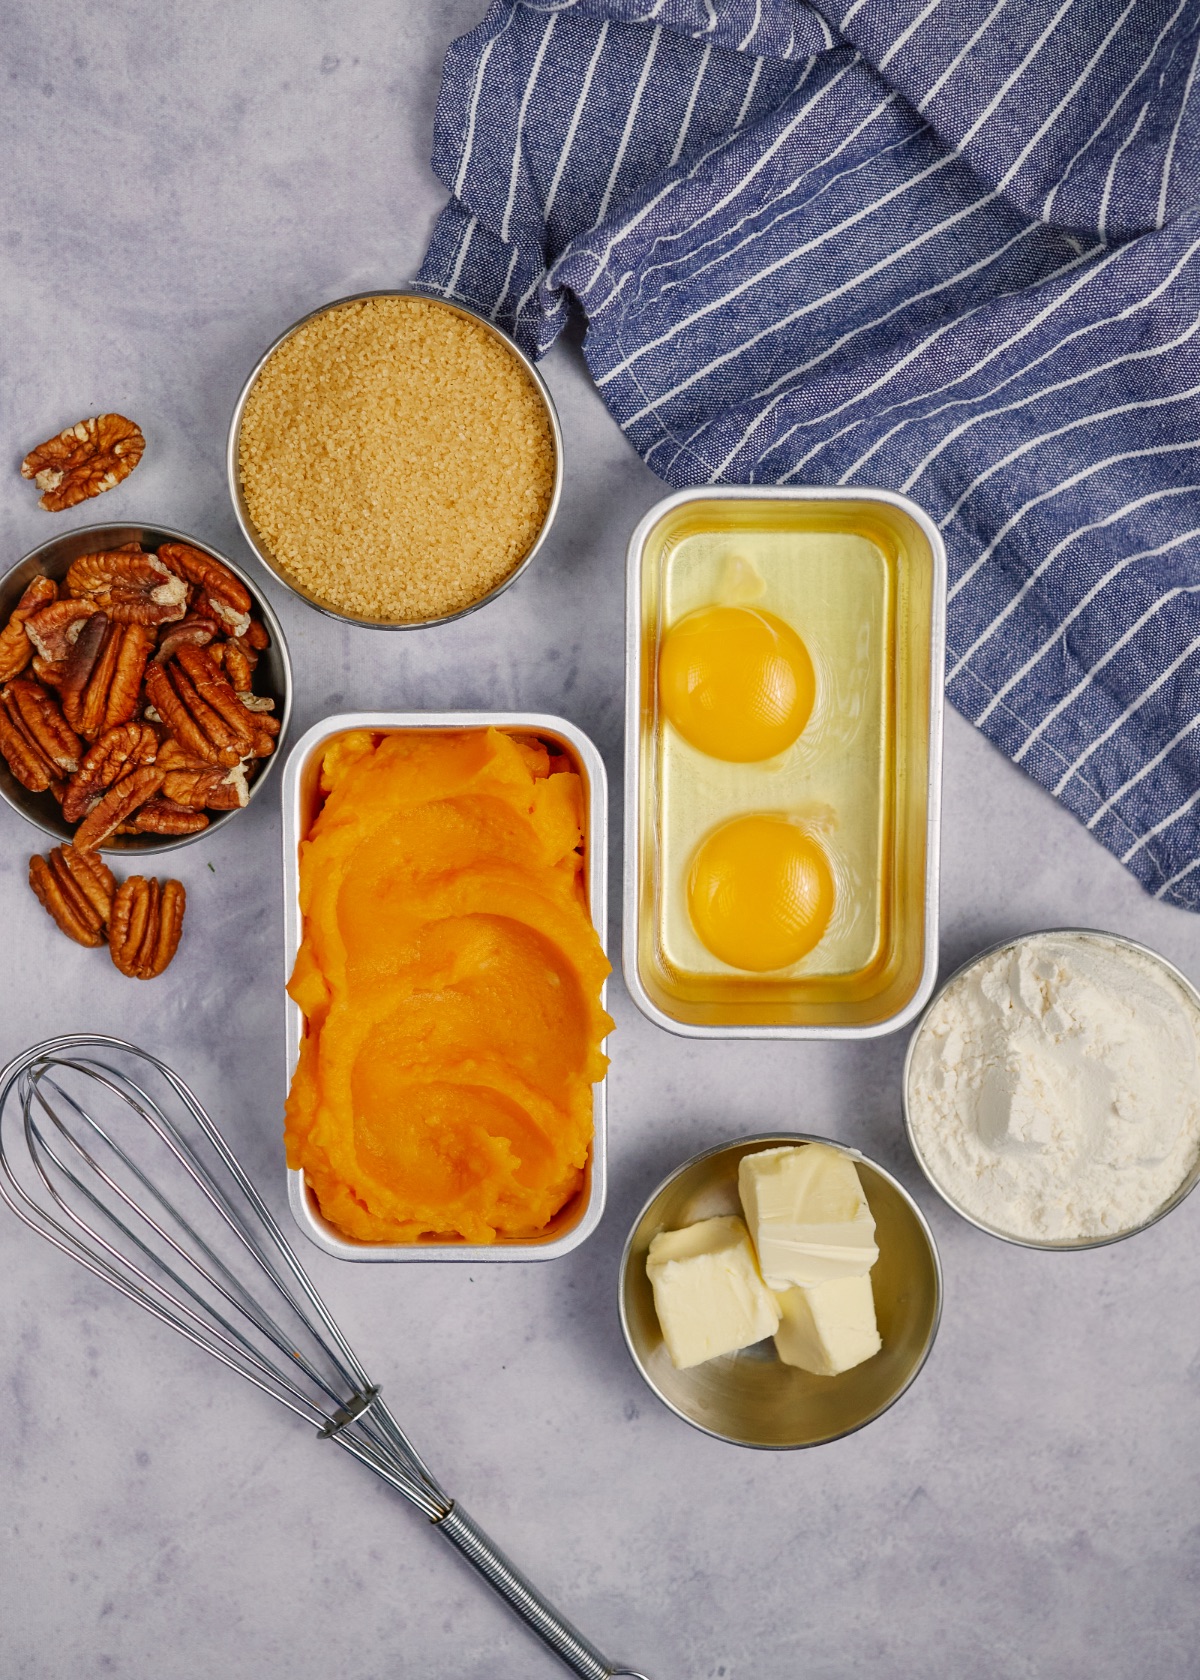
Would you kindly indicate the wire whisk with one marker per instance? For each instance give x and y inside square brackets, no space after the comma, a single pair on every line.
[107,1153]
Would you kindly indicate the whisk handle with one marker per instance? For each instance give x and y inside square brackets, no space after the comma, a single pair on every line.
[567,1643]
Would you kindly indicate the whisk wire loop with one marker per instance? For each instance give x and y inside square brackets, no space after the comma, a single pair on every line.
[203,1313]
[146,1194]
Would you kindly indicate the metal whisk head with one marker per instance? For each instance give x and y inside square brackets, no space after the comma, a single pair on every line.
[106,1152]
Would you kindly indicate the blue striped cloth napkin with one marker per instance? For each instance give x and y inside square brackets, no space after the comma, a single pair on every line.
[946,246]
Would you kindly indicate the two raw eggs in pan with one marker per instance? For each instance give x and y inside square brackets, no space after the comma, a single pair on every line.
[738,684]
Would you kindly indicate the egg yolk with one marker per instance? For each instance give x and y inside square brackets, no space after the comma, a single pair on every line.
[760,892]
[737,683]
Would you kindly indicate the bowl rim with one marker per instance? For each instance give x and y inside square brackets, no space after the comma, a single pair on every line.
[768,1140]
[1072,1245]
[250,531]
[166,533]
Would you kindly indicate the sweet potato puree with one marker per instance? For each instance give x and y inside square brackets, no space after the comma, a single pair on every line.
[450,980]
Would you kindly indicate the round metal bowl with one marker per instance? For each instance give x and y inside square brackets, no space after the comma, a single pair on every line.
[273,676]
[1069,1243]
[751,1398]
[258,543]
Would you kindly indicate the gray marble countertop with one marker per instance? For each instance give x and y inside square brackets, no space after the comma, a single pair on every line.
[181,182]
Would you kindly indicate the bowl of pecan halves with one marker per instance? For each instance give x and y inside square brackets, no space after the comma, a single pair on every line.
[144,687]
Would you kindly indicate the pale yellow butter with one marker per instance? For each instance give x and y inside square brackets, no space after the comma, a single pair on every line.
[708,1292]
[807,1214]
[829,1327]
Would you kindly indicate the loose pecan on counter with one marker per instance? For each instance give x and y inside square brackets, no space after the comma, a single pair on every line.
[140,920]
[84,461]
[145,924]
[76,889]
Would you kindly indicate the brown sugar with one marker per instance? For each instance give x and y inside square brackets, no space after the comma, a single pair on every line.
[396,458]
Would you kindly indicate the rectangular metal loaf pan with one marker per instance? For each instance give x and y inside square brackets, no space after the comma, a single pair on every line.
[860,577]
[582,1214]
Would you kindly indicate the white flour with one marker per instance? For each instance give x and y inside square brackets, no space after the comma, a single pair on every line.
[1054,1088]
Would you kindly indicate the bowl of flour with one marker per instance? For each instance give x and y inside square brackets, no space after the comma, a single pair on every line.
[1052,1089]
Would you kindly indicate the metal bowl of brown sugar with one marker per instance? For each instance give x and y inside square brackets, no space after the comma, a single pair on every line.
[395,460]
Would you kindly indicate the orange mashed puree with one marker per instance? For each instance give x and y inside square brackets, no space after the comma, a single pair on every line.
[450,981]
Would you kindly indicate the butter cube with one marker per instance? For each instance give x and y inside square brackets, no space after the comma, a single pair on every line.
[829,1327]
[807,1214]
[708,1293]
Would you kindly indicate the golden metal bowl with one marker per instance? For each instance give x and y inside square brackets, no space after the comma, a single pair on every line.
[751,1398]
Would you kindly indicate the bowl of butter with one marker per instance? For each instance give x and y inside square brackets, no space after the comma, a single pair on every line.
[780,1291]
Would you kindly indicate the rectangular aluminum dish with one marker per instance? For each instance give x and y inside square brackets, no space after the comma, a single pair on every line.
[300,801]
[860,575]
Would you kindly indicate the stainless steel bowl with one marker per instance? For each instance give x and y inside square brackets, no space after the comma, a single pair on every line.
[258,543]
[1069,1243]
[273,677]
[751,1398]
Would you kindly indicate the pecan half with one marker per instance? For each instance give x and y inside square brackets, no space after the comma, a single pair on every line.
[118,751]
[93,703]
[211,789]
[145,924]
[51,672]
[256,636]
[195,724]
[175,717]
[73,676]
[221,595]
[193,628]
[173,755]
[76,889]
[57,627]
[136,641]
[164,816]
[131,587]
[40,718]
[84,460]
[16,648]
[213,688]
[117,806]
[238,662]
[24,757]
